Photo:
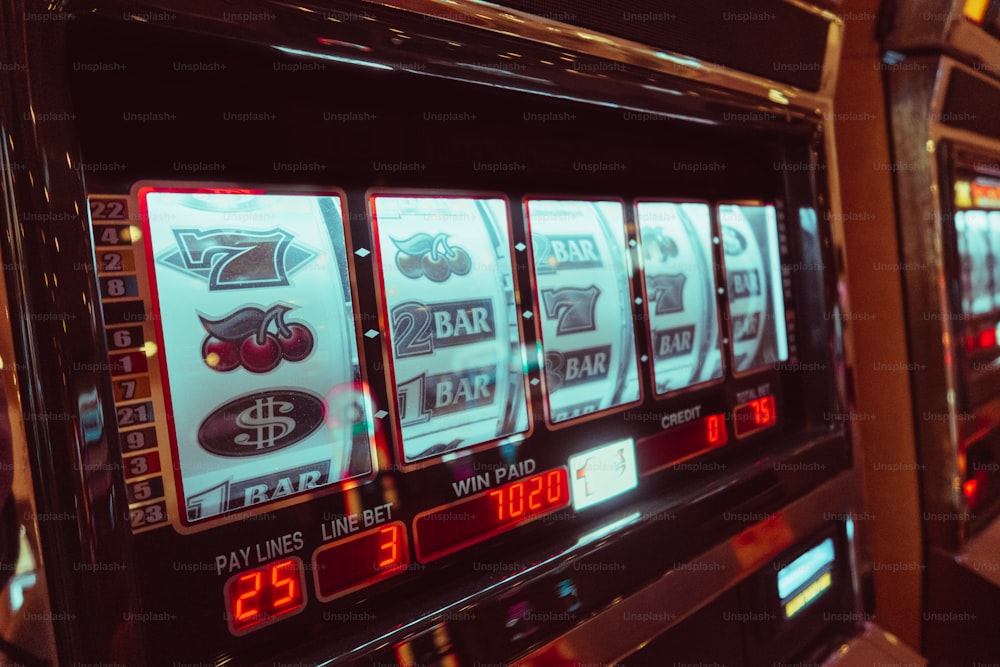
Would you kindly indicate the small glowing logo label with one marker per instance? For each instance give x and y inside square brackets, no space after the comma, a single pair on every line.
[602,473]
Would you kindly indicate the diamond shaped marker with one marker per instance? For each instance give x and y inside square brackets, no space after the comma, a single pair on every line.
[520,247]
[362,252]
[533,381]
[371,333]
[381,414]
[644,358]
[526,314]
[638,300]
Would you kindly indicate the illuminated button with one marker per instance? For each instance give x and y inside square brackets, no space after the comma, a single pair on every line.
[807,577]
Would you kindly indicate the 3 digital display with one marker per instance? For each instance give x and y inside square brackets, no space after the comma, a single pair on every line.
[360,560]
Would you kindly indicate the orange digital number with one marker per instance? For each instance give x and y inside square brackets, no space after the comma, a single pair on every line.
[248,601]
[390,547]
[554,490]
[288,583]
[516,500]
[714,434]
[534,495]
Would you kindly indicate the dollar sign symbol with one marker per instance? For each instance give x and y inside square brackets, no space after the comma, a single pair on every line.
[263,418]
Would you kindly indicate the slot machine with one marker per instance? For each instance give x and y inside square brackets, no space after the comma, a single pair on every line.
[941,73]
[425,333]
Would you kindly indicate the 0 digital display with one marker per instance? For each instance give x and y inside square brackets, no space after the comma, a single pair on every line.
[582,288]
[447,529]
[257,344]
[681,442]
[455,345]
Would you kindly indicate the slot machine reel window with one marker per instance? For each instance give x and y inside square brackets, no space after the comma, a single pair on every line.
[449,294]
[755,295]
[252,309]
[583,291]
[977,236]
[682,312]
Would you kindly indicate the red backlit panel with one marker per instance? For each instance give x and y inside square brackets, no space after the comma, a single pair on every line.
[266,594]
[754,416]
[681,443]
[360,560]
[447,529]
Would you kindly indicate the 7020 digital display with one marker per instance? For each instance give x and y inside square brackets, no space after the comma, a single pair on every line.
[447,529]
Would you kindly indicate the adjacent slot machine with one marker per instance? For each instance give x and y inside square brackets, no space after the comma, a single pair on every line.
[949,147]
[431,335]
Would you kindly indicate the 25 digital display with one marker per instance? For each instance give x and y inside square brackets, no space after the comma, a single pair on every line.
[263,595]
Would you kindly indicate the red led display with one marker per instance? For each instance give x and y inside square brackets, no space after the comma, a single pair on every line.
[360,560]
[988,338]
[984,340]
[263,595]
[680,443]
[447,529]
[985,195]
[754,416]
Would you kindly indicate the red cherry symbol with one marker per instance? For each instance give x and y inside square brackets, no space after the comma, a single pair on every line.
[220,355]
[260,357]
[297,343]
